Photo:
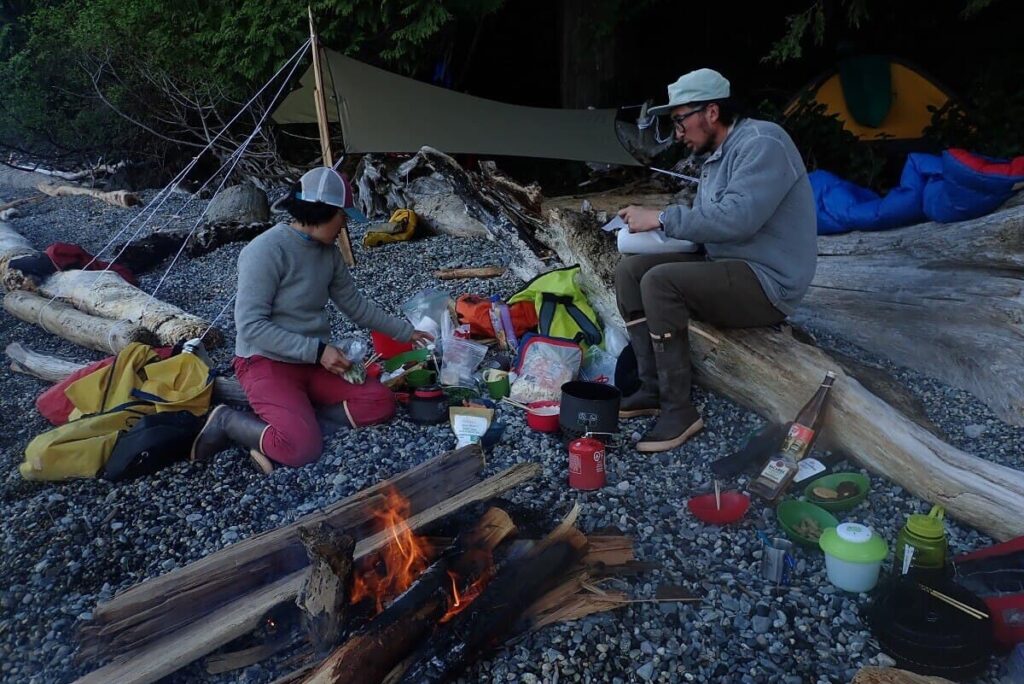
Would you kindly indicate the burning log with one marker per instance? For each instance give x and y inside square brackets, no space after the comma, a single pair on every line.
[63,320]
[372,653]
[494,612]
[54,369]
[108,295]
[324,595]
[193,638]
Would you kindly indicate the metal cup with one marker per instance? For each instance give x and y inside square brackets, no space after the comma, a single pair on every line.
[773,559]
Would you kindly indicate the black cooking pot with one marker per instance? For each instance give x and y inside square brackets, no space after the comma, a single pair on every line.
[589,407]
[928,636]
[428,405]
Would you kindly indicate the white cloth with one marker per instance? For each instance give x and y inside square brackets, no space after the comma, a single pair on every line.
[652,242]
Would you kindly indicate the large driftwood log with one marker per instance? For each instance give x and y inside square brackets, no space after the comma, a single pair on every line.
[199,637]
[118,198]
[891,675]
[145,253]
[58,318]
[772,373]
[108,295]
[369,655]
[54,369]
[947,300]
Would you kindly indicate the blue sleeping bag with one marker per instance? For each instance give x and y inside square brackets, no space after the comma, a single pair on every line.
[955,186]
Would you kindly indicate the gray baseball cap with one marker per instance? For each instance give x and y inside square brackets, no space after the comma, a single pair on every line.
[324,184]
[701,85]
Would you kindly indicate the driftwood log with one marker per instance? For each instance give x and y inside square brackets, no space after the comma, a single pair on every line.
[197,637]
[13,245]
[63,320]
[323,597]
[892,675]
[144,253]
[118,198]
[106,294]
[54,369]
[368,656]
[464,273]
[766,370]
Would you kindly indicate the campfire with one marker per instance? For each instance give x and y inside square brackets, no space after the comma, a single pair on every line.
[375,598]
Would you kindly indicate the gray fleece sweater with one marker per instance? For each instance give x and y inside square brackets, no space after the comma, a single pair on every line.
[284,282]
[754,203]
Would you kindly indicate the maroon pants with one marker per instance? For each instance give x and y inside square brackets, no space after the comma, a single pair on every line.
[285,395]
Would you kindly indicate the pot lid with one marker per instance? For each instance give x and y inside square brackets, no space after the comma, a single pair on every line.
[853,543]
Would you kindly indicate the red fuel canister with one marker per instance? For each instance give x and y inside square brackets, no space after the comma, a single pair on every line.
[586,463]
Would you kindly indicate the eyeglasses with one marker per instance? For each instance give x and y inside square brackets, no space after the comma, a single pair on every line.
[680,121]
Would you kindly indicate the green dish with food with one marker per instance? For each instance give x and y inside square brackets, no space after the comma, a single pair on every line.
[804,522]
[839,491]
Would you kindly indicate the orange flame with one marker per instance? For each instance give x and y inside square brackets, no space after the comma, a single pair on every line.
[461,600]
[399,562]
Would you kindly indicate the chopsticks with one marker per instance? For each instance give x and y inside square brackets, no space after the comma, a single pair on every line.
[373,359]
[517,404]
[718,496]
[973,612]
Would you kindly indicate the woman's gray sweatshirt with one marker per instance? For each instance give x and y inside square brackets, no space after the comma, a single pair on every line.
[284,282]
[754,203]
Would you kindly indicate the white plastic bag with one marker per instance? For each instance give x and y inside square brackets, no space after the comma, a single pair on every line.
[598,366]
[427,310]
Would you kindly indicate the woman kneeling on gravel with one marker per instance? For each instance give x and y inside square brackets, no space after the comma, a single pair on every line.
[282,357]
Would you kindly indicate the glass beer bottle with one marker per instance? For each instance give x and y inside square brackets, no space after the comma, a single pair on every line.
[776,476]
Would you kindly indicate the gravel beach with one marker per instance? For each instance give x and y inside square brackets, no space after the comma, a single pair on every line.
[67,545]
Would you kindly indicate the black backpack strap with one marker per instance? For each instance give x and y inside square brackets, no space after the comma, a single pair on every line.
[588,330]
[546,315]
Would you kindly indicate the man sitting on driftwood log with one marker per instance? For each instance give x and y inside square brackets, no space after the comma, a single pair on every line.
[283,356]
[754,213]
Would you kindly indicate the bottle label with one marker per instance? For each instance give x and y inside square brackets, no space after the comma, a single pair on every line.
[775,471]
[798,441]
[908,558]
[808,467]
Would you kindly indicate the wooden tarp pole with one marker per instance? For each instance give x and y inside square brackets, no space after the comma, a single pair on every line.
[344,244]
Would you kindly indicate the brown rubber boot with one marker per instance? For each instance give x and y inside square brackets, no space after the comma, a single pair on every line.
[679,420]
[224,426]
[643,402]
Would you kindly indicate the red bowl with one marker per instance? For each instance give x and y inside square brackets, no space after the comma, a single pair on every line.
[388,346]
[734,505]
[547,420]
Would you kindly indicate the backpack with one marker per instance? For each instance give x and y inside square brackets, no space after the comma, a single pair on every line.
[476,311]
[152,443]
[562,308]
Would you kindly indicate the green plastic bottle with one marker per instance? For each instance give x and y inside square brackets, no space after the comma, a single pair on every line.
[921,544]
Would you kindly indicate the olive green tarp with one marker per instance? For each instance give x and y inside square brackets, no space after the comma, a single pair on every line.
[384,112]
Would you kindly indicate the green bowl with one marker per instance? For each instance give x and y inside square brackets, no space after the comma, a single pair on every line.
[832,481]
[414,356]
[791,512]
[421,377]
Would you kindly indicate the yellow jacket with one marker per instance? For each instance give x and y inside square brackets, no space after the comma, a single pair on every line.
[112,399]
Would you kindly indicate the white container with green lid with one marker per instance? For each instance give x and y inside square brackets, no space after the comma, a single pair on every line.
[853,556]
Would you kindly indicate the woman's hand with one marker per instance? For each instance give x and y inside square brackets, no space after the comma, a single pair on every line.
[420,338]
[640,219]
[334,361]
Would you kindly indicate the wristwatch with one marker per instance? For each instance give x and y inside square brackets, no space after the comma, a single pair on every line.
[661,219]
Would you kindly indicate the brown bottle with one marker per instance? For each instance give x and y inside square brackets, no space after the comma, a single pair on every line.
[779,472]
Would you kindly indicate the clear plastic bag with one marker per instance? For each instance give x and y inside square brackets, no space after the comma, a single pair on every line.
[460,360]
[355,351]
[615,340]
[427,310]
[598,366]
[545,364]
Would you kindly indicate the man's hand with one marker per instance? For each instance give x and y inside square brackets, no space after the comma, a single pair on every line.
[334,361]
[420,338]
[640,219]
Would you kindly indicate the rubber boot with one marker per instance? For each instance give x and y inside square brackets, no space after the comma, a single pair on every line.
[643,402]
[333,418]
[679,420]
[225,426]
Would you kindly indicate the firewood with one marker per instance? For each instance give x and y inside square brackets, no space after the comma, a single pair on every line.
[198,637]
[891,675]
[164,604]
[512,590]
[67,322]
[106,294]
[226,662]
[118,198]
[368,656]
[464,273]
[323,597]
[54,369]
